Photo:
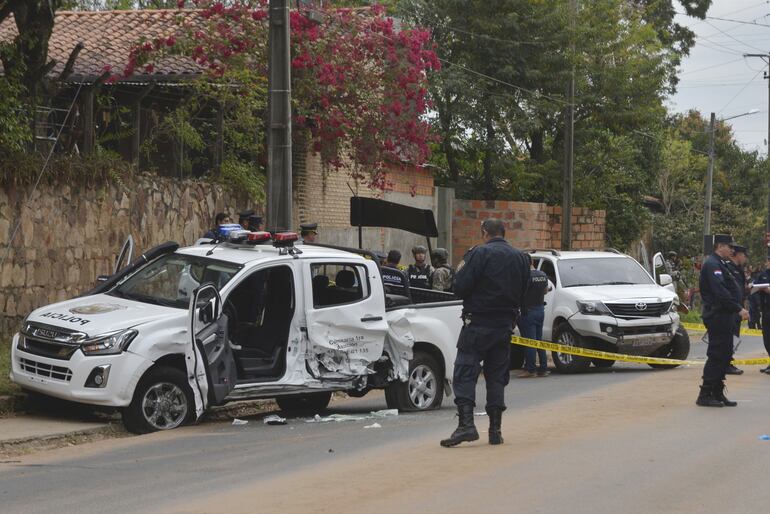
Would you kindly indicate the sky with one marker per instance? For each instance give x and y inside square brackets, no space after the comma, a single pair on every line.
[717,78]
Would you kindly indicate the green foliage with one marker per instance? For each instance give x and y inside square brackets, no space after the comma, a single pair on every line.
[15,134]
[244,176]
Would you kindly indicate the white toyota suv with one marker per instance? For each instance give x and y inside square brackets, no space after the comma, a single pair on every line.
[608,301]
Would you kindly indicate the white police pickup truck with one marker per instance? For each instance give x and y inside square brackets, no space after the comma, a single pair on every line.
[256,316]
[607,301]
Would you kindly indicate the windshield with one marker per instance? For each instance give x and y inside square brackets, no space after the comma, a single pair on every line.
[171,280]
[601,272]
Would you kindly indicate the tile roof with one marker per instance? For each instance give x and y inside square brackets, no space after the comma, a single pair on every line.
[108,37]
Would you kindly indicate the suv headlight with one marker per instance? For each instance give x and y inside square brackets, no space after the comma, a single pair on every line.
[593,308]
[674,305]
[109,344]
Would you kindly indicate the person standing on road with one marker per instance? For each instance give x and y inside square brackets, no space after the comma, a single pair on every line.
[531,324]
[735,264]
[419,273]
[764,305]
[492,284]
[720,295]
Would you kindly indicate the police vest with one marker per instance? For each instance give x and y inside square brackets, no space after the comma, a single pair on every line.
[419,277]
[536,289]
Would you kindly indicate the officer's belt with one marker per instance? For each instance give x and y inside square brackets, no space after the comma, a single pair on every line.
[469,317]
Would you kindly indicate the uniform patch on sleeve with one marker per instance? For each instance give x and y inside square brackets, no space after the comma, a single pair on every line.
[718,272]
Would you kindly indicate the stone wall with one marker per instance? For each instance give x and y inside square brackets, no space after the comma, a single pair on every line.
[528,225]
[71,234]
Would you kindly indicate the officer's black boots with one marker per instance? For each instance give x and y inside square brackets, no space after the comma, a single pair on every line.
[732,370]
[719,394]
[495,420]
[707,397]
[465,431]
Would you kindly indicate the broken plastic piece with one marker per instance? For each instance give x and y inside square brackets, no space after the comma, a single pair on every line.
[373,425]
[385,413]
[274,419]
[237,421]
[479,413]
[764,437]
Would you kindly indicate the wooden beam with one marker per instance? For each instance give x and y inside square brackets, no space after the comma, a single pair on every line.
[136,122]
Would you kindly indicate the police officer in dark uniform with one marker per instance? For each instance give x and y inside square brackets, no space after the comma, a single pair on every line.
[308,232]
[419,273]
[735,264]
[492,284]
[764,304]
[720,295]
[243,217]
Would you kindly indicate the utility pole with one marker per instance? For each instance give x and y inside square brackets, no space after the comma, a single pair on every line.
[766,59]
[279,193]
[709,180]
[569,147]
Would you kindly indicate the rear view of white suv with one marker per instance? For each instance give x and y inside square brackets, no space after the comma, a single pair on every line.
[607,301]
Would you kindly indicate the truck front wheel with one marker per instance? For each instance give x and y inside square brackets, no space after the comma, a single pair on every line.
[424,390]
[565,362]
[162,401]
[678,348]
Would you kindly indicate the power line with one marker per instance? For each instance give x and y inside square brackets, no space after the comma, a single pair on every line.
[734,39]
[711,67]
[739,92]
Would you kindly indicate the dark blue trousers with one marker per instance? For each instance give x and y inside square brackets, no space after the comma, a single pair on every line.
[721,328]
[492,345]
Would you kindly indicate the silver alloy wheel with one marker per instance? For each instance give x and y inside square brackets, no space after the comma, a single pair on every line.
[164,406]
[567,338]
[423,387]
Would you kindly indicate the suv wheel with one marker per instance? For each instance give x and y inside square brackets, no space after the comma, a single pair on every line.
[565,362]
[678,348]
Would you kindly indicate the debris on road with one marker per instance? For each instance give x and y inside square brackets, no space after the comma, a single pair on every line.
[764,437]
[385,413]
[373,425]
[238,422]
[274,419]
[479,413]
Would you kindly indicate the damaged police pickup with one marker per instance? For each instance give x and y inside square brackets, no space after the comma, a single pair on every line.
[253,316]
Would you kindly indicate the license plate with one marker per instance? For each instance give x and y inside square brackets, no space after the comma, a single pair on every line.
[645,341]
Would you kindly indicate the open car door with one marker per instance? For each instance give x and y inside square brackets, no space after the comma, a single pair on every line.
[346,323]
[125,255]
[209,357]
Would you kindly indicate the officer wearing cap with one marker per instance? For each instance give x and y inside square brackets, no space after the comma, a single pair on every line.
[254,223]
[243,217]
[735,264]
[309,232]
[492,285]
[720,294]
[764,303]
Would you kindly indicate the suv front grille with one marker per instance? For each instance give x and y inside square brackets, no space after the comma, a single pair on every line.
[42,369]
[639,309]
[49,341]
[48,349]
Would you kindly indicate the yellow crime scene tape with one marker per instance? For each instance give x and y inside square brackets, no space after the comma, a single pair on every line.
[621,357]
[697,327]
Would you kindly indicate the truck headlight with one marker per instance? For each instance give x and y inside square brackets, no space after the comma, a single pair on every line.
[109,344]
[593,308]
[674,305]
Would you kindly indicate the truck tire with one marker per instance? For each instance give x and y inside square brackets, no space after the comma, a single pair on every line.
[424,390]
[162,401]
[517,356]
[678,348]
[308,402]
[566,363]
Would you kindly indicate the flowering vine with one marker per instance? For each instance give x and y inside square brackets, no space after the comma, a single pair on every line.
[358,82]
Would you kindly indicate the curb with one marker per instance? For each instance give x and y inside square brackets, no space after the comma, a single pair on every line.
[49,442]
[9,403]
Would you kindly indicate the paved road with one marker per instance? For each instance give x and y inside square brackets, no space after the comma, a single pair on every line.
[627,439]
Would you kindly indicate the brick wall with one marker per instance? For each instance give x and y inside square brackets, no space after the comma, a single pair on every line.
[528,225]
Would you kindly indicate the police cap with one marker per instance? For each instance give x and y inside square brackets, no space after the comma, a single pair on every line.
[739,249]
[254,219]
[725,239]
[246,213]
[307,228]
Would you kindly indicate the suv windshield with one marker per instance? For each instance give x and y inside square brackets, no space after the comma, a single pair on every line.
[171,280]
[601,272]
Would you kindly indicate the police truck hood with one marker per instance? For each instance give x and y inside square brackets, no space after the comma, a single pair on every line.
[101,313]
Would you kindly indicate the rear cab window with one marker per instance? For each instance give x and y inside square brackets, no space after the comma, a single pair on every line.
[338,284]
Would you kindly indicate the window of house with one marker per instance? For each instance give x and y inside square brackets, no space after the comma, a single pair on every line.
[337,284]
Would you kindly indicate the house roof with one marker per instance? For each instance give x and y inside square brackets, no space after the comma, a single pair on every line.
[108,37]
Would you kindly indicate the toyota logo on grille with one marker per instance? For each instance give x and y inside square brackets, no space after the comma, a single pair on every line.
[641,306]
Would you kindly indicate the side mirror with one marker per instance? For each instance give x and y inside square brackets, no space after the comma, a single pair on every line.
[665,279]
[102,278]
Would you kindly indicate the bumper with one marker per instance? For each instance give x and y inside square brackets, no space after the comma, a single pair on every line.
[635,337]
[66,379]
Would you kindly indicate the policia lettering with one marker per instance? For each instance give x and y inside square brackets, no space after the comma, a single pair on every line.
[720,294]
[65,317]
